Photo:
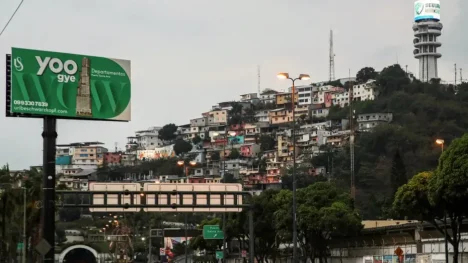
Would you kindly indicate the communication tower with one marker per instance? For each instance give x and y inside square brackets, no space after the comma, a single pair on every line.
[332,59]
[427,29]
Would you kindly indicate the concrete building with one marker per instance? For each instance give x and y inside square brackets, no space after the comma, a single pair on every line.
[284,98]
[361,92]
[268,96]
[280,116]
[217,117]
[427,29]
[262,116]
[145,139]
[366,91]
[366,122]
[82,155]
[305,94]
[250,97]
[199,122]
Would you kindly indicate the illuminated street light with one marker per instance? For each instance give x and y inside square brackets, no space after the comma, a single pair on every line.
[284,75]
[440,142]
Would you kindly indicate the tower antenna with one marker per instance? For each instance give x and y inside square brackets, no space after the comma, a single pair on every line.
[461,76]
[332,59]
[258,79]
[455,74]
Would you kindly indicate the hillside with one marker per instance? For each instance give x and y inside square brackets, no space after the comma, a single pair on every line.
[393,153]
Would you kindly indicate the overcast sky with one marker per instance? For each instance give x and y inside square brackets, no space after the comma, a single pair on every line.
[187,55]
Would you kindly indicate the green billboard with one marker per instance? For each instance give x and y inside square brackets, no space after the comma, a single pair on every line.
[70,85]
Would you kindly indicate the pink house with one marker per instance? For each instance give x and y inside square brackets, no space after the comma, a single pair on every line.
[249,150]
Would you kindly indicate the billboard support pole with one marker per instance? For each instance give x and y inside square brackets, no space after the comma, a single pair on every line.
[49,136]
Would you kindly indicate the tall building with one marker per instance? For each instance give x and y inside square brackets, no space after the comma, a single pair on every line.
[427,28]
[83,95]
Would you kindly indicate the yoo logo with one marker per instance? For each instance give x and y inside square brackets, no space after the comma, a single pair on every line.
[58,67]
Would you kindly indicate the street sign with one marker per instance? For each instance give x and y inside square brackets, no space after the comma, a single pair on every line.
[162,252]
[112,199]
[398,251]
[212,232]
[19,246]
[244,253]
[43,247]
[201,200]
[219,255]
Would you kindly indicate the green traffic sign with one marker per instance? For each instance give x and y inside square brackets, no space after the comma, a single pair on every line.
[19,246]
[212,232]
[219,255]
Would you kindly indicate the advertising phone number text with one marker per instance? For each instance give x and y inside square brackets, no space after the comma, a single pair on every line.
[31,103]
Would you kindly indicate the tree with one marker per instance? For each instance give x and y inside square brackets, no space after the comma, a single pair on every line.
[181,146]
[447,189]
[196,140]
[303,177]
[235,154]
[200,243]
[229,178]
[366,74]
[392,79]
[168,132]
[235,114]
[323,211]
[267,142]
[398,172]
[215,156]
[412,200]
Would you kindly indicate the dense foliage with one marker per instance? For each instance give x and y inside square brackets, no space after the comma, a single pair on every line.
[439,197]
[422,112]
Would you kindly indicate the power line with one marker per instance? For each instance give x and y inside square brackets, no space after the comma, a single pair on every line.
[11,18]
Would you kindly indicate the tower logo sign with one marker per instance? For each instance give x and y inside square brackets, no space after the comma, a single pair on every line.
[419,7]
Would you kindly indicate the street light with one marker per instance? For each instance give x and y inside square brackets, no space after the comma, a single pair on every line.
[231,134]
[284,75]
[184,164]
[440,142]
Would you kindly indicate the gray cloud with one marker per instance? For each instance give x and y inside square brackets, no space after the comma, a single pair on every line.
[187,55]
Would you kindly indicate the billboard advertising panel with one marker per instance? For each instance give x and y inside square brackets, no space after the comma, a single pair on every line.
[427,9]
[70,85]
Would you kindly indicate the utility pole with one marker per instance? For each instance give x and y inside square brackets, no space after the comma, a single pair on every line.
[351,138]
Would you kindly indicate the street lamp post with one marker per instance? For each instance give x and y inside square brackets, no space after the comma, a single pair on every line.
[232,134]
[441,142]
[293,103]
[184,164]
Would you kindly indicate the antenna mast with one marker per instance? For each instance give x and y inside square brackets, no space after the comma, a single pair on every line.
[461,76]
[455,74]
[332,59]
[258,79]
